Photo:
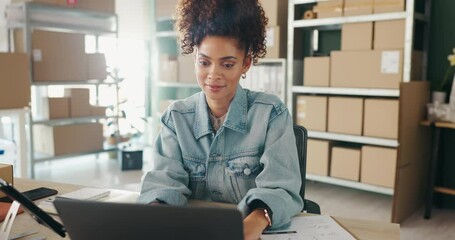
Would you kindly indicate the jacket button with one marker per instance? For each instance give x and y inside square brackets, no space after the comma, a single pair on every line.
[247,171]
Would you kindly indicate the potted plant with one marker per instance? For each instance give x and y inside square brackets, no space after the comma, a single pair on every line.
[442,88]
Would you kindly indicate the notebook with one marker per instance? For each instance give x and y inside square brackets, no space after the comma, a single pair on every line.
[85,220]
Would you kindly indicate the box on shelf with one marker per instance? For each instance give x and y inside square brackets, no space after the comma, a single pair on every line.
[276,42]
[56,56]
[165,8]
[276,11]
[318,157]
[6,173]
[381,118]
[358,7]
[378,166]
[366,69]
[186,69]
[328,9]
[96,68]
[68,139]
[54,108]
[345,163]
[97,110]
[316,71]
[382,6]
[311,112]
[79,101]
[14,79]
[107,6]
[168,70]
[345,115]
[389,34]
[357,36]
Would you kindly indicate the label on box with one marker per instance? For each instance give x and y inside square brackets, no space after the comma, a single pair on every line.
[37,55]
[270,37]
[390,62]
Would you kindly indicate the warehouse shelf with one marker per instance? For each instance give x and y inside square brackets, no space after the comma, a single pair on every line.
[350,184]
[56,18]
[82,82]
[177,84]
[347,91]
[41,157]
[162,34]
[353,138]
[76,120]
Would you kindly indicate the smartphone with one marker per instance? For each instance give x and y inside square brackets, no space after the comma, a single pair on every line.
[34,194]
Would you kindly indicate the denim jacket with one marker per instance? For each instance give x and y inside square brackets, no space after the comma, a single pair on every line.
[251,157]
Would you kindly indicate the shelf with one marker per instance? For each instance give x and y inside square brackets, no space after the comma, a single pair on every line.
[177,84]
[353,138]
[307,23]
[348,91]
[56,18]
[68,121]
[350,184]
[44,157]
[163,34]
[82,82]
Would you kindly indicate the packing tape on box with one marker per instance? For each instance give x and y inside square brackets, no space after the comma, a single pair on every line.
[309,14]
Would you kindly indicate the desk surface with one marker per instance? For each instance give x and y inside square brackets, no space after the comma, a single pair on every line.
[361,229]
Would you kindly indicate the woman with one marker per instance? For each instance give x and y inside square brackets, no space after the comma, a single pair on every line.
[226,143]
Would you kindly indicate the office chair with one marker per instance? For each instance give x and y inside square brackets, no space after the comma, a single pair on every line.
[301,136]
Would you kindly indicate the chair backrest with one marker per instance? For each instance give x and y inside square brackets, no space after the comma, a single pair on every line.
[301,136]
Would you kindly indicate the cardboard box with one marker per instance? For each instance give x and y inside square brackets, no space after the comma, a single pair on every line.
[186,69]
[57,56]
[54,108]
[366,69]
[318,157]
[378,166]
[345,115]
[389,34]
[168,68]
[311,112]
[382,6]
[381,118]
[316,71]
[328,9]
[68,139]
[6,173]
[345,163]
[357,36]
[358,7]
[15,80]
[165,8]
[97,110]
[276,42]
[276,11]
[79,101]
[96,68]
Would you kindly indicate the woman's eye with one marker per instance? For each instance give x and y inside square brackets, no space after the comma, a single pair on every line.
[203,63]
[228,65]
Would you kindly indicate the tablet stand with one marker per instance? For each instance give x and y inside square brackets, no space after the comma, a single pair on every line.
[9,220]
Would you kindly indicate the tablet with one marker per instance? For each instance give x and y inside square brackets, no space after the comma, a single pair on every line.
[39,215]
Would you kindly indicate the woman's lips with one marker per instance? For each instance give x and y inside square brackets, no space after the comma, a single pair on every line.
[214,88]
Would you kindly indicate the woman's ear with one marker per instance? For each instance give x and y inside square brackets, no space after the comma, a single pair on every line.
[247,63]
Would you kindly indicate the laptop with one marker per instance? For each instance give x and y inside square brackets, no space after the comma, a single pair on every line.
[85,220]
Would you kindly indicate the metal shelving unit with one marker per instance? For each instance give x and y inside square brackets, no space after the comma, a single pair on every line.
[28,16]
[404,143]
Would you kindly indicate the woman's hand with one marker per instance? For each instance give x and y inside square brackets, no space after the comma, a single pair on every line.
[254,224]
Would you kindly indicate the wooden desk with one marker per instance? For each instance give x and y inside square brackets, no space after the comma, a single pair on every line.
[361,229]
[436,137]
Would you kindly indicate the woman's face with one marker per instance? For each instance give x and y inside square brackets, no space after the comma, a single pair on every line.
[219,66]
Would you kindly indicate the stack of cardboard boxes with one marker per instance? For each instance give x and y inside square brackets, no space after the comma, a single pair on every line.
[277,13]
[371,56]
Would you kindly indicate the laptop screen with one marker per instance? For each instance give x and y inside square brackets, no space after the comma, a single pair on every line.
[106,220]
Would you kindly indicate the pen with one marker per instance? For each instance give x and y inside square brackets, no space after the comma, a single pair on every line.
[279,232]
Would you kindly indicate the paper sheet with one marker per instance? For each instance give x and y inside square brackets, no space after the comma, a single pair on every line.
[310,227]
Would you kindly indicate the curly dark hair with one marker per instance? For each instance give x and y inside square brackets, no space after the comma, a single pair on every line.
[243,20]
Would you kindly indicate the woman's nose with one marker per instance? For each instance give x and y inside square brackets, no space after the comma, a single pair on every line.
[214,72]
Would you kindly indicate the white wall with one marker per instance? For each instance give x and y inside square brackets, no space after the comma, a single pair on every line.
[3,31]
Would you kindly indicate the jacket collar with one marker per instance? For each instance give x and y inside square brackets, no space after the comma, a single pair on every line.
[236,118]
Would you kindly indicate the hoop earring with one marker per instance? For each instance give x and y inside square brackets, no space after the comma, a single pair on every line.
[243,75]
